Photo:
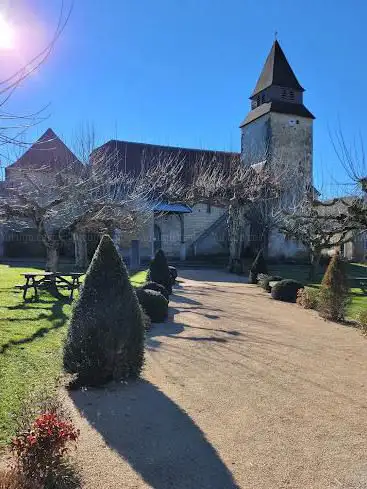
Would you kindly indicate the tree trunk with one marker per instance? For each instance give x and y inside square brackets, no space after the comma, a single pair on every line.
[236,235]
[52,260]
[81,249]
[315,256]
[51,242]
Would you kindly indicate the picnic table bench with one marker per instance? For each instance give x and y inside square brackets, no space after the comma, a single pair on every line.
[360,282]
[46,280]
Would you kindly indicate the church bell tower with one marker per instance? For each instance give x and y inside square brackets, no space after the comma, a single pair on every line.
[278,129]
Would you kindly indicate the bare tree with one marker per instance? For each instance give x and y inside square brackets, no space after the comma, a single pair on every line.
[14,126]
[85,198]
[84,141]
[353,159]
[237,186]
[318,228]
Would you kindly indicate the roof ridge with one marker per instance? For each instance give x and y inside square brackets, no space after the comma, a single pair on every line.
[152,145]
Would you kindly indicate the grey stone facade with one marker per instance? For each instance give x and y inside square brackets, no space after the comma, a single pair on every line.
[278,132]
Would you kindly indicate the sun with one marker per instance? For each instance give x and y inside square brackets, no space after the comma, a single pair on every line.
[7,34]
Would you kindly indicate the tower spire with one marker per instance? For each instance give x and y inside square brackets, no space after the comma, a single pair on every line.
[276,71]
[277,89]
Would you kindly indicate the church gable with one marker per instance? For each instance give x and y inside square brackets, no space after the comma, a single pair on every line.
[48,153]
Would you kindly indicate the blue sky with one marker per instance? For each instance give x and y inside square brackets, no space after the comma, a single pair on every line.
[179,72]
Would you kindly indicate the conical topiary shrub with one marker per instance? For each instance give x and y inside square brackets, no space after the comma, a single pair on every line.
[258,266]
[105,340]
[159,271]
[334,292]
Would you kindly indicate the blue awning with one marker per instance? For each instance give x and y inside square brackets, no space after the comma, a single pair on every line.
[178,208]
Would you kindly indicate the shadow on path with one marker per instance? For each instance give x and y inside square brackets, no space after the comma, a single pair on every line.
[155,436]
[173,330]
[184,300]
[207,276]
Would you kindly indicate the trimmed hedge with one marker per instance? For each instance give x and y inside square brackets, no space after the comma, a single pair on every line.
[105,339]
[159,271]
[334,292]
[308,298]
[362,319]
[286,290]
[153,303]
[258,266]
[263,281]
[157,287]
[173,273]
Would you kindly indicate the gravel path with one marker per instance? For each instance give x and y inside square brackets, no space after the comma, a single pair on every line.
[239,391]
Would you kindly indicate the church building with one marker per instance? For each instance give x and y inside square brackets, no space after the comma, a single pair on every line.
[276,132]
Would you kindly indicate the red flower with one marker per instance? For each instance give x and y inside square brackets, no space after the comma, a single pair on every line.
[32,439]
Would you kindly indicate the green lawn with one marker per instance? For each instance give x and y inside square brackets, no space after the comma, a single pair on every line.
[300,272]
[139,278]
[31,335]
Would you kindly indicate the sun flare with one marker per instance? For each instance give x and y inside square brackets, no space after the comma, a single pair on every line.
[7,34]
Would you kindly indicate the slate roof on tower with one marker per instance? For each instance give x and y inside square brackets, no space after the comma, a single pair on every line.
[279,107]
[276,71]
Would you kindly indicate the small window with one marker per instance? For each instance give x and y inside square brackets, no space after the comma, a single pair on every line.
[258,100]
[208,207]
[291,95]
[263,98]
[284,93]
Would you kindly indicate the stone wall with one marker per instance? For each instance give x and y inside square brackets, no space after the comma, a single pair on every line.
[254,140]
[291,147]
[195,223]
[145,237]
[356,249]
[280,247]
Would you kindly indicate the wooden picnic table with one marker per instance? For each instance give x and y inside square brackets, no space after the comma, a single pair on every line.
[360,282]
[45,280]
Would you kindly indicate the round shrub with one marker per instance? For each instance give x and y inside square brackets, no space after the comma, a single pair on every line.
[153,303]
[173,273]
[157,287]
[286,290]
[261,277]
[264,280]
[308,298]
